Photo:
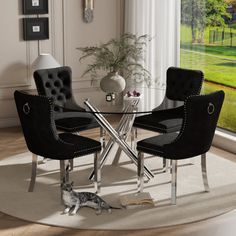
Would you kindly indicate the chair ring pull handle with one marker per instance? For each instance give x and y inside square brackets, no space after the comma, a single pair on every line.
[210,108]
[26,108]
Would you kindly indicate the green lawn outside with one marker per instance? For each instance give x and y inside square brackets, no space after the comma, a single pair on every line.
[187,38]
[217,50]
[217,62]
[219,66]
[227,118]
[216,69]
[233,25]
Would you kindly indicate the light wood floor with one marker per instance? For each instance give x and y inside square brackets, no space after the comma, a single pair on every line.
[12,142]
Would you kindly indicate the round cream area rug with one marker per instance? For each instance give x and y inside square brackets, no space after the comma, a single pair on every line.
[44,204]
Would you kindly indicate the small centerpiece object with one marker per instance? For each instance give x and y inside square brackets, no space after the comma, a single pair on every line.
[112,83]
[110,97]
[131,97]
[119,58]
[133,94]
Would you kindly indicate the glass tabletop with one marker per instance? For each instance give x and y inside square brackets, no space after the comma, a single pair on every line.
[149,99]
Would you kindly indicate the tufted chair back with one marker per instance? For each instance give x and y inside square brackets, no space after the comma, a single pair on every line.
[182,83]
[197,132]
[56,83]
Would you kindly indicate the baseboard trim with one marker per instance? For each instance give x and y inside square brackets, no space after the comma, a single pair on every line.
[9,122]
[225,141]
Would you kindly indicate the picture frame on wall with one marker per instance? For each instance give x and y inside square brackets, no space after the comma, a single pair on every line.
[35,28]
[31,7]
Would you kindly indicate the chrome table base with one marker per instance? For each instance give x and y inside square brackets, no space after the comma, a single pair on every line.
[118,135]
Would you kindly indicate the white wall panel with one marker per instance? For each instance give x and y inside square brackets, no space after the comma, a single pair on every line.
[106,25]
[13,50]
[67,31]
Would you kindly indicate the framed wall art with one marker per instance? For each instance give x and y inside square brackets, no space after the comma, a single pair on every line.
[31,7]
[35,28]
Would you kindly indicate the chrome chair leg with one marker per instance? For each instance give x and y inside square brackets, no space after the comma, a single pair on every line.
[97,172]
[140,171]
[64,171]
[134,137]
[174,182]
[136,133]
[204,172]
[33,172]
[170,166]
[165,164]
[71,161]
[102,137]
[67,169]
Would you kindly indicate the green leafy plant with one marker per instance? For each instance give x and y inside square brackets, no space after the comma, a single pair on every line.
[124,55]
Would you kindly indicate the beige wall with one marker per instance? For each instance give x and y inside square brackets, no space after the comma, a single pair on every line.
[67,32]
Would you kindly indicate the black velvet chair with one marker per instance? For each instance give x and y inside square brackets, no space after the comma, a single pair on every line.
[69,116]
[195,137]
[37,121]
[180,83]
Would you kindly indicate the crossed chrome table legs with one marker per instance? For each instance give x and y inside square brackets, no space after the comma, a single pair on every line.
[118,135]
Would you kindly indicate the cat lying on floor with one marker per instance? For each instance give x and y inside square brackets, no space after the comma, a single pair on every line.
[75,200]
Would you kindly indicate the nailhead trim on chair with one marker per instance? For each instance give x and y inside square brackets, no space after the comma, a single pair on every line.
[151,149]
[185,116]
[151,126]
[50,100]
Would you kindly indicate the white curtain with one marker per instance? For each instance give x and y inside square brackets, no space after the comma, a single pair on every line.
[160,19]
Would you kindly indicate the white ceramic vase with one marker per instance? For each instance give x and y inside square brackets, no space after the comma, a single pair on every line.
[112,83]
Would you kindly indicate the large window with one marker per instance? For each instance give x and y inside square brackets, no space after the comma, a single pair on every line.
[208,43]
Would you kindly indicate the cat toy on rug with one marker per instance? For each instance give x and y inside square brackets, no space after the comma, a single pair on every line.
[73,200]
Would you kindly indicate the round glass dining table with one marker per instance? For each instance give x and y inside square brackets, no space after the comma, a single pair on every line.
[129,109]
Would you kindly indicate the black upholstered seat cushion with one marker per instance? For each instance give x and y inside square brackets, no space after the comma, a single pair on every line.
[154,145]
[75,121]
[81,145]
[163,121]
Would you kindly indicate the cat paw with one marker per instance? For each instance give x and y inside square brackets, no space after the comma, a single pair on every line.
[66,211]
[98,212]
[72,213]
